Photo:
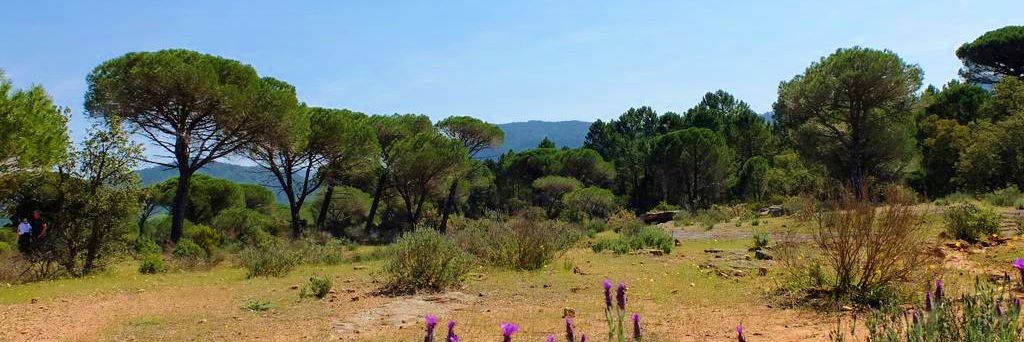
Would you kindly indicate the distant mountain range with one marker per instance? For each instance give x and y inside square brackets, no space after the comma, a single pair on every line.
[519,136]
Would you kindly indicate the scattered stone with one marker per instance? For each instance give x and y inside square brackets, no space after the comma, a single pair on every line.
[761,254]
[294,287]
[713,251]
[202,320]
[658,217]
[577,270]
[359,267]
[762,271]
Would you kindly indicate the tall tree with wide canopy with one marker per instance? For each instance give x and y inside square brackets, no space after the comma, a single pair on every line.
[348,144]
[475,135]
[34,133]
[195,107]
[422,164]
[995,54]
[390,130]
[626,143]
[289,150]
[851,111]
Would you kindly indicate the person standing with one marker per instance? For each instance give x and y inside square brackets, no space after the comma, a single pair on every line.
[25,236]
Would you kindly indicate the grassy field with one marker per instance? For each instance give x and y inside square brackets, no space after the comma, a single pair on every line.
[682,296]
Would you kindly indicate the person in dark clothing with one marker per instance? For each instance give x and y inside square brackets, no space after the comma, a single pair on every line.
[39,228]
[25,236]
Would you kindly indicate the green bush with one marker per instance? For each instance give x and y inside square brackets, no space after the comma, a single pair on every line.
[187,248]
[652,238]
[244,226]
[8,236]
[147,247]
[332,252]
[425,260]
[761,240]
[517,242]
[589,202]
[970,222]
[205,237]
[317,286]
[274,259]
[1006,197]
[257,305]
[615,245]
[955,197]
[152,264]
[648,237]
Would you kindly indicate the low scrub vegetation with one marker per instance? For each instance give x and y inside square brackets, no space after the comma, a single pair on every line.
[273,260]
[518,242]
[648,237]
[971,222]
[317,286]
[425,260]
[861,253]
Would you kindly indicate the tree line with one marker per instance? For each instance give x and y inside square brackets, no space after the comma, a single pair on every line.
[856,118]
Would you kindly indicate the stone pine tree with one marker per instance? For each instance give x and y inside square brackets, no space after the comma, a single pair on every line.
[475,135]
[34,133]
[421,165]
[348,144]
[995,54]
[193,107]
[852,112]
[390,130]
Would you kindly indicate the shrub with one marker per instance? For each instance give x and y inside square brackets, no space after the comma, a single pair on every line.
[517,242]
[189,255]
[984,315]
[330,252]
[863,252]
[257,305]
[589,202]
[651,238]
[246,226]
[317,286]
[425,260]
[147,247]
[955,197]
[614,245]
[205,237]
[970,222]
[1006,197]
[664,206]
[152,264]
[624,221]
[274,259]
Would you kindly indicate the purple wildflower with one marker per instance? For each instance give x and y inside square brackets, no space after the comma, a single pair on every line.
[583,338]
[939,291]
[927,301]
[1019,265]
[1016,304]
[431,323]
[570,331]
[739,333]
[507,330]
[551,338]
[620,296]
[636,327]
[451,333]
[607,294]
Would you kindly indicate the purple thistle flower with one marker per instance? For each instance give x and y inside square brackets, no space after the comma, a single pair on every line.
[636,327]
[507,330]
[620,296]
[1016,304]
[583,338]
[451,333]
[431,323]
[927,301]
[607,294]
[939,291]
[570,331]
[1019,265]
[739,333]
[551,338]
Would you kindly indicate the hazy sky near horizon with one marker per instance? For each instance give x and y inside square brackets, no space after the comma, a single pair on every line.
[501,61]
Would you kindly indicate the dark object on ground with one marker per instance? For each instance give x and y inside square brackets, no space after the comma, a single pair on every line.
[658,217]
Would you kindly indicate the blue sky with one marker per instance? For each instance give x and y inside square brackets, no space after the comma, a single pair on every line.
[501,61]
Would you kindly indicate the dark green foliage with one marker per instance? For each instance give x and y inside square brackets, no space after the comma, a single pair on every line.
[971,222]
[152,264]
[257,197]
[589,203]
[995,54]
[425,260]
[851,112]
[317,286]
[257,305]
[207,197]
[693,167]
[243,226]
[1006,197]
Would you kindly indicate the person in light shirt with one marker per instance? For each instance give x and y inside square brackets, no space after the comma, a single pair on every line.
[25,236]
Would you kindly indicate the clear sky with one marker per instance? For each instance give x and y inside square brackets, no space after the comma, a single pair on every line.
[501,61]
